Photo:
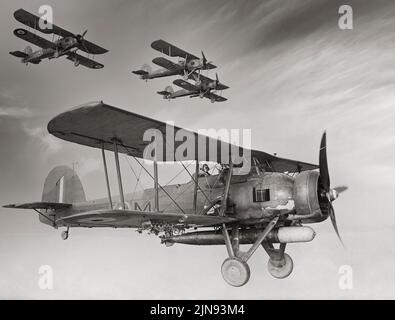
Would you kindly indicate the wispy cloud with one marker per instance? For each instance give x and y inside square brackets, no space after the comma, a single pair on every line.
[48,142]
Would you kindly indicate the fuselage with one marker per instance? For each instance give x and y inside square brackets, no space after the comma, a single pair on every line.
[253,198]
[62,47]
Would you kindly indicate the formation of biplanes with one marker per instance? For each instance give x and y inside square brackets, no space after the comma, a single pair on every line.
[268,206]
[190,67]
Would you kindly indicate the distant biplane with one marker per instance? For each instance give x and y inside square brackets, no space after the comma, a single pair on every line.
[67,45]
[267,205]
[186,66]
[204,88]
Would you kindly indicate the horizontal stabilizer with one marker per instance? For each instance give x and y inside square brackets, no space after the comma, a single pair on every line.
[140,72]
[39,205]
[19,54]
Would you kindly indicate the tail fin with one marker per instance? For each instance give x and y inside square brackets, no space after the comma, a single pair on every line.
[28,50]
[167,92]
[63,186]
[144,71]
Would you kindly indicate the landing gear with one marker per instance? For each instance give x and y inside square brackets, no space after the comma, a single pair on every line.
[235,272]
[280,264]
[65,234]
[281,269]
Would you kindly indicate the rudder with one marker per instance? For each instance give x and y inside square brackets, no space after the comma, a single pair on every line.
[63,185]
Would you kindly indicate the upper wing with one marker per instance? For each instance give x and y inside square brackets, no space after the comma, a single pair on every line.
[34,39]
[99,125]
[214,97]
[84,61]
[186,85]
[135,219]
[34,22]
[171,50]
[39,205]
[167,64]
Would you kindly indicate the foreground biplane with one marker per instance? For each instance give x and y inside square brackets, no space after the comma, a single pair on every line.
[267,205]
[67,45]
[186,66]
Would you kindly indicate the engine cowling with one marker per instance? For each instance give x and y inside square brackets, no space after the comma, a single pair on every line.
[306,195]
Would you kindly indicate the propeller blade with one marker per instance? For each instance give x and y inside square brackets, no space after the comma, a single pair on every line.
[324,171]
[84,34]
[204,57]
[340,189]
[333,219]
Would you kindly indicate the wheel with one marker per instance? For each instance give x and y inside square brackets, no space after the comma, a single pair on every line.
[281,269]
[76,63]
[235,272]
[169,244]
[65,235]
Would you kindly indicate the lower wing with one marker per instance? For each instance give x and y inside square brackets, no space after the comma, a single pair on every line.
[136,219]
[76,58]
[214,97]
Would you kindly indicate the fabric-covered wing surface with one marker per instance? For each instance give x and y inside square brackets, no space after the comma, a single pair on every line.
[84,61]
[34,39]
[33,21]
[135,219]
[171,50]
[215,97]
[186,85]
[39,206]
[167,64]
[98,124]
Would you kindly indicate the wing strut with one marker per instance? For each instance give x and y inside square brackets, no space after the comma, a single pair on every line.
[119,174]
[156,186]
[106,174]
[195,191]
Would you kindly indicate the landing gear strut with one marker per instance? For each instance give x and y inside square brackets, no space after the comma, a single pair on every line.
[235,269]
[65,234]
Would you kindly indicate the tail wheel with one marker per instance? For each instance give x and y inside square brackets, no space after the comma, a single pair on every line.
[65,235]
[281,269]
[235,272]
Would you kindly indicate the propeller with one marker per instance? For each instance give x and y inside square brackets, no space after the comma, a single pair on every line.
[205,61]
[81,40]
[326,192]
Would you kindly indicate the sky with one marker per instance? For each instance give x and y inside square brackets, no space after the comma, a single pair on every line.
[293,74]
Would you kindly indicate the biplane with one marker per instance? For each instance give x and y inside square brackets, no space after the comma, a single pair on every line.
[267,206]
[67,44]
[169,93]
[186,66]
[204,88]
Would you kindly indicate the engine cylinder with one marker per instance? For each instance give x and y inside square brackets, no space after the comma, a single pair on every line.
[305,194]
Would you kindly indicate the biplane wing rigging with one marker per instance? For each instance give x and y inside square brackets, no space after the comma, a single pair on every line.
[98,124]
